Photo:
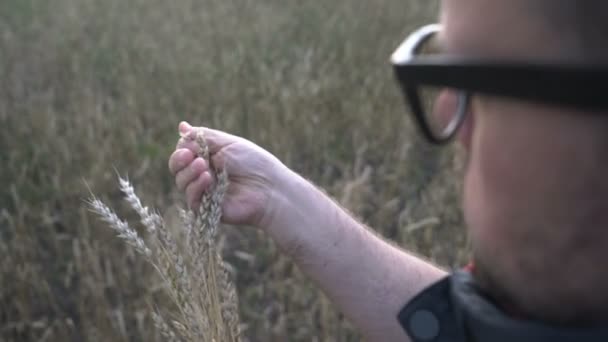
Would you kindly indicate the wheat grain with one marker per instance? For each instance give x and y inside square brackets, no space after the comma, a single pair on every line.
[125,232]
[149,220]
[165,330]
[211,312]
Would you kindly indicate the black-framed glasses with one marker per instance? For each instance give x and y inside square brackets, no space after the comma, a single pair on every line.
[439,87]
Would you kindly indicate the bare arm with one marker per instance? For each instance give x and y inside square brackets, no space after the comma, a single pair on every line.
[369,279]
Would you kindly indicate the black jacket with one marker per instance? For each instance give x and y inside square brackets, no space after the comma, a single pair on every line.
[454,310]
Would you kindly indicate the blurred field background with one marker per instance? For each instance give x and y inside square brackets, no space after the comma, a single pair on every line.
[89,87]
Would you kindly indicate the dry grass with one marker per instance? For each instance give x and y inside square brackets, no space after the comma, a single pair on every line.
[89,86]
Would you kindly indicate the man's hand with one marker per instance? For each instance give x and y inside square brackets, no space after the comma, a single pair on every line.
[255,176]
[367,278]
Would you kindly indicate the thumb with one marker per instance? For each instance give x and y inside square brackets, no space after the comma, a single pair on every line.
[215,139]
[184,128]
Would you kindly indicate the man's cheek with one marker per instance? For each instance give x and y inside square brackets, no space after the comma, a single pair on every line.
[444,109]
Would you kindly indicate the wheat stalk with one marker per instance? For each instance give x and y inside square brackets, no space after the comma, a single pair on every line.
[195,277]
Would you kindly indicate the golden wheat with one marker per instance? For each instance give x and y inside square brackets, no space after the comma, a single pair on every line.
[196,277]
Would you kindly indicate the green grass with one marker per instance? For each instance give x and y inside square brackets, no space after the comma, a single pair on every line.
[87,87]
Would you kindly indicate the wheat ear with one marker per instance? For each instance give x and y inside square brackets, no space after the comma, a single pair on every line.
[211,312]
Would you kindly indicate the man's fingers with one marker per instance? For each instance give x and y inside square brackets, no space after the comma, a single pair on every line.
[195,189]
[179,160]
[190,173]
[188,144]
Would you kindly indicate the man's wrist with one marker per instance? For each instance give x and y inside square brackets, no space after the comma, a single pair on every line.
[296,214]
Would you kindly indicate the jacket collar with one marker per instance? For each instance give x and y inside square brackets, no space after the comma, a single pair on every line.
[455,310]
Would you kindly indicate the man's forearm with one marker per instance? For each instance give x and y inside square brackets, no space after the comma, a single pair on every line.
[369,279]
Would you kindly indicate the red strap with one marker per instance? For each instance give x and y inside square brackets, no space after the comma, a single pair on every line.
[470,267]
[510,310]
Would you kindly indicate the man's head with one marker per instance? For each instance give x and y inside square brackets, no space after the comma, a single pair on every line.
[536,186]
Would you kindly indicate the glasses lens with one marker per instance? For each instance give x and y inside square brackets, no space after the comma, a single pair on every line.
[440,105]
[441,110]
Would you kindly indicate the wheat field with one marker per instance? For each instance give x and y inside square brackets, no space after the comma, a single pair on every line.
[92,89]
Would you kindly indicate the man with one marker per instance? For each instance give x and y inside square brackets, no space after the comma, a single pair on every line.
[521,89]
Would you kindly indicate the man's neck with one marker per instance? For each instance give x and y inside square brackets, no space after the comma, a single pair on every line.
[578,308]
